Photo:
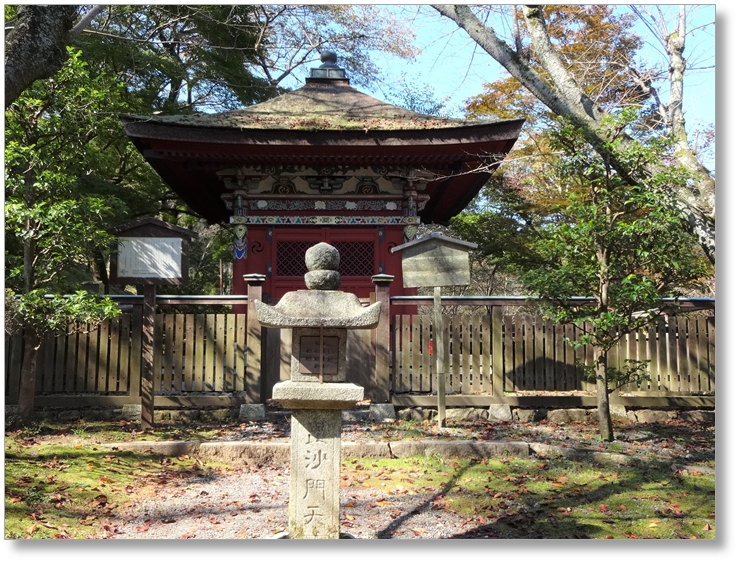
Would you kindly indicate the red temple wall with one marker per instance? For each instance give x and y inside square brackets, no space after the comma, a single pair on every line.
[279,254]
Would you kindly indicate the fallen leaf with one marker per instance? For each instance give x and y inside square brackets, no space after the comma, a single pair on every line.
[110,529]
[87,520]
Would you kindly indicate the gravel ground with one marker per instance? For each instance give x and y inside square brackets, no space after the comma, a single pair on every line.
[251,502]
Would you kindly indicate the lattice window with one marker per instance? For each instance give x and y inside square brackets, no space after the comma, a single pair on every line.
[291,257]
[357,258]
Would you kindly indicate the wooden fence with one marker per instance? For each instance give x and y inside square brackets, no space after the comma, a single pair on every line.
[193,353]
[224,359]
[496,354]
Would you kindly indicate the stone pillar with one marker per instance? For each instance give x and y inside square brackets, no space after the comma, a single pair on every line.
[315,453]
[315,462]
[380,390]
[254,337]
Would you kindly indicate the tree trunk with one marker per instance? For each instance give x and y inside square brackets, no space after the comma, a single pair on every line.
[27,388]
[36,47]
[601,391]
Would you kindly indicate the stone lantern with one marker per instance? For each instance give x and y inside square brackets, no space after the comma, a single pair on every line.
[317,390]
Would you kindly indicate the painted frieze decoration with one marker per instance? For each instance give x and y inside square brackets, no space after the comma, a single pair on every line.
[324,220]
[300,195]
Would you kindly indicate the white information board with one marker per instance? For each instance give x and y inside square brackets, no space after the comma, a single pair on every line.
[149,257]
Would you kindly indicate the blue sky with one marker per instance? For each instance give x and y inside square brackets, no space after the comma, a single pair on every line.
[454,68]
[457,68]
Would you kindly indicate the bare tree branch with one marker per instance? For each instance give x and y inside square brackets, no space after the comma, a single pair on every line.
[559,91]
[84,22]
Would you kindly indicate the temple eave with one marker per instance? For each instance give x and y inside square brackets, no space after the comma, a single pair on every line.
[360,136]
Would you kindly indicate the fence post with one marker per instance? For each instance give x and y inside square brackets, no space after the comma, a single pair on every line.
[147,357]
[497,346]
[253,377]
[440,354]
[380,392]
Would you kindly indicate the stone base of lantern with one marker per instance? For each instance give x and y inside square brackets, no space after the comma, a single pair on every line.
[312,395]
[315,454]
[315,463]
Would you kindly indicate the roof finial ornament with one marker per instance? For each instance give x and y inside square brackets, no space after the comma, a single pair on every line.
[328,58]
[329,69]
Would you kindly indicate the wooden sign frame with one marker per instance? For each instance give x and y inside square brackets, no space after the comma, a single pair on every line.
[158,232]
[435,261]
[153,237]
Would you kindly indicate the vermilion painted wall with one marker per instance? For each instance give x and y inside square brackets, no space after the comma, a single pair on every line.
[262,259]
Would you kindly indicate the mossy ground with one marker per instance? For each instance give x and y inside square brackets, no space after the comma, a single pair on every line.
[60,482]
[518,498]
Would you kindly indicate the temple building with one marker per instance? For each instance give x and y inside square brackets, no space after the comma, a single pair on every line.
[322,163]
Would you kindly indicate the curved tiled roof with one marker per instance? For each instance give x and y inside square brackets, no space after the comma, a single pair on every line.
[329,105]
[324,123]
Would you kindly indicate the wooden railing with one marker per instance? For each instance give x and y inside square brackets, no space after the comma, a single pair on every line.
[193,353]
[496,354]
[220,359]
[199,358]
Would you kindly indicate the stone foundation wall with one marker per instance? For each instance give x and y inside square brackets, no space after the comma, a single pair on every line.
[505,412]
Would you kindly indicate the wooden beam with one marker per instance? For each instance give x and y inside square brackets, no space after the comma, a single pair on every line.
[160,401]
